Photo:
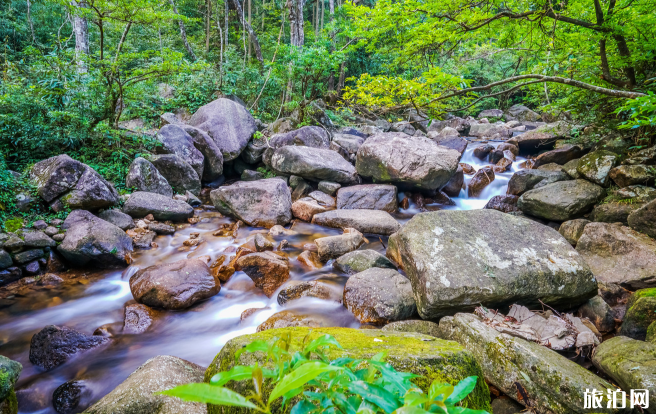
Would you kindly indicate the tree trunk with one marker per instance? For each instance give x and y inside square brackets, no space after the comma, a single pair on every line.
[331,5]
[250,23]
[297,36]
[29,20]
[81,28]
[323,11]
[208,24]
[251,32]
[342,77]
[183,32]
[227,9]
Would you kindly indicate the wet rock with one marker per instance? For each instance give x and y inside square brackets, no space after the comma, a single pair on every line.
[596,166]
[161,228]
[176,285]
[262,243]
[329,187]
[361,260]
[279,230]
[71,397]
[452,142]
[332,247]
[379,296]
[138,318]
[37,239]
[457,259]
[175,140]
[28,256]
[32,268]
[178,173]
[310,259]
[292,319]
[544,385]
[542,137]
[54,345]
[262,203]
[143,176]
[212,155]
[368,196]
[229,124]
[505,204]
[479,181]
[637,372]
[303,289]
[561,201]
[413,162]
[626,175]
[305,208]
[455,184]
[90,239]
[572,230]
[250,175]
[141,203]
[644,219]
[9,275]
[10,370]
[268,270]
[365,221]
[617,254]
[561,155]
[488,130]
[481,152]
[117,218]
[422,327]
[5,260]
[525,180]
[599,313]
[640,313]
[138,393]
[323,199]
[315,164]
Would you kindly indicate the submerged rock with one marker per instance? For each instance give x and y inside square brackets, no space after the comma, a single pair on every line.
[143,176]
[561,201]
[141,203]
[365,221]
[54,345]
[302,289]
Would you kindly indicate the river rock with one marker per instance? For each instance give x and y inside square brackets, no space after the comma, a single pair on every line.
[212,155]
[361,260]
[413,162]
[596,166]
[614,212]
[543,136]
[521,113]
[175,286]
[329,187]
[426,356]
[117,218]
[618,254]
[54,345]
[331,247]
[572,230]
[640,313]
[90,239]
[5,259]
[368,197]
[481,152]
[305,208]
[599,313]
[175,140]
[570,168]
[365,221]
[490,113]
[418,326]
[10,370]
[33,238]
[9,275]
[71,397]
[143,176]
[486,130]
[561,201]
[292,319]
[455,184]
[505,204]
[307,136]
[454,142]
[644,219]
[137,394]
[141,203]
[179,174]
[525,180]
[315,164]
[323,199]
[630,363]
[310,259]
[229,124]
[138,318]
[626,175]
[262,243]
[301,289]
[457,260]
[379,296]
[351,143]
[552,382]
[261,203]
[480,180]
[27,256]
[268,270]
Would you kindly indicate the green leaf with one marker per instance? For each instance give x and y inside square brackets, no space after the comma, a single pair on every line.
[325,340]
[206,393]
[299,377]
[237,373]
[253,347]
[411,410]
[461,390]
[463,410]
[379,396]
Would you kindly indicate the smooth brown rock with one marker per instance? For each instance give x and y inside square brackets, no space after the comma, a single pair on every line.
[268,270]
[480,180]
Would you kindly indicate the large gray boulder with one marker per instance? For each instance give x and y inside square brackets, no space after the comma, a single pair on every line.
[521,113]
[413,162]
[117,218]
[315,164]
[307,136]
[618,254]
[644,219]
[365,221]
[561,201]
[350,143]
[596,166]
[175,140]
[178,173]
[229,124]
[260,203]
[543,137]
[525,180]
[368,197]
[457,260]
[65,183]
[143,176]
[212,155]
[91,240]
[137,394]
[163,208]
[552,382]
[487,130]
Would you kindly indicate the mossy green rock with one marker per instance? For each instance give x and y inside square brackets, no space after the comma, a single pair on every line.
[651,333]
[561,201]
[596,166]
[631,363]
[640,313]
[361,260]
[409,352]
[553,383]
[9,372]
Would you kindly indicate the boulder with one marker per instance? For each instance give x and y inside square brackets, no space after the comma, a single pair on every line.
[487,130]
[368,197]
[175,140]
[351,143]
[417,326]
[525,180]
[551,381]
[332,247]
[293,319]
[361,260]
[178,173]
[490,113]
[640,313]
[36,238]
[138,318]
[72,397]
[480,180]
[426,356]
[454,142]
[117,218]
[314,289]
[228,123]
[614,212]
[572,230]
[143,176]
[10,370]
[616,254]
[175,286]
[522,113]
[254,151]
[482,151]
[268,270]
[561,201]
[5,259]
[54,345]
[459,124]
[91,240]
[307,136]
[599,313]
[142,203]
[306,207]
[315,164]
[365,221]
[455,184]
[644,219]
[138,393]
[596,166]
[570,168]
[457,260]
[261,203]
[65,183]
[410,162]
[27,256]
[328,187]
[212,155]
[630,363]
[561,155]
[626,175]
[543,137]
[323,199]
[505,204]
[379,296]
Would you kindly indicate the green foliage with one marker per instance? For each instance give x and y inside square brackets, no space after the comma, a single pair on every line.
[640,112]
[315,384]
[266,172]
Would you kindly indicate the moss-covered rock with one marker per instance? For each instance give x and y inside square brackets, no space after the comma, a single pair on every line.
[413,325]
[596,166]
[651,333]
[9,372]
[640,313]
[561,201]
[423,355]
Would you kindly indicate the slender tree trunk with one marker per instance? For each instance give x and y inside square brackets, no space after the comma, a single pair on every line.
[323,11]
[342,77]
[250,21]
[251,32]
[81,28]
[29,20]
[227,10]
[221,42]
[331,5]
[208,24]
[316,18]
[297,36]
[183,32]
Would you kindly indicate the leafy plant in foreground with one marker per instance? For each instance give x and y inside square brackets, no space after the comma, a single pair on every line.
[316,384]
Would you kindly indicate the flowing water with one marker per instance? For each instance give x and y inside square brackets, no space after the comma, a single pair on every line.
[95,299]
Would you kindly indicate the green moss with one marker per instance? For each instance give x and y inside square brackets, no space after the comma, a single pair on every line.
[13,224]
[651,333]
[640,313]
[644,293]
[384,174]
[433,358]
[10,404]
